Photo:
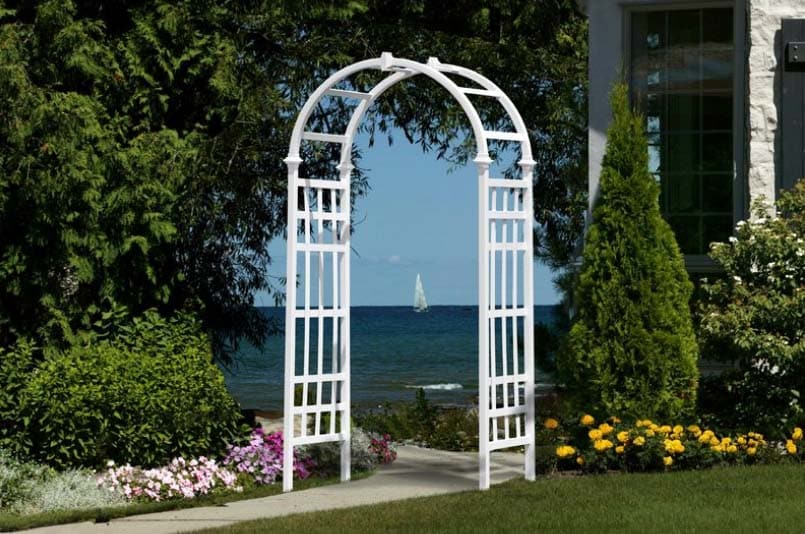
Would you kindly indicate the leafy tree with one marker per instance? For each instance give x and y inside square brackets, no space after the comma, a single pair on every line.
[631,350]
[754,318]
[141,143]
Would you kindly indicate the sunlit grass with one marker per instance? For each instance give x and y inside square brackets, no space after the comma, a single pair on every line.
[737,499]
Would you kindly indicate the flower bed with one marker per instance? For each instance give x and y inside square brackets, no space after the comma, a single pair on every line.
[648,446]
[256,463]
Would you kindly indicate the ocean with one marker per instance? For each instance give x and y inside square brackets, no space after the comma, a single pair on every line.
[394,352]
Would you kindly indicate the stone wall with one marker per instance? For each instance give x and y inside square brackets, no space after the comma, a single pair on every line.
[764,68]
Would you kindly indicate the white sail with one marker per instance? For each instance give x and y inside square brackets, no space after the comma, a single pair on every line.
[420,303]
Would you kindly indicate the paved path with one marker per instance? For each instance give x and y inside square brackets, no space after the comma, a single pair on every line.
[416,473]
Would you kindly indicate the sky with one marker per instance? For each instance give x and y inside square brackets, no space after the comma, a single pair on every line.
[418,217]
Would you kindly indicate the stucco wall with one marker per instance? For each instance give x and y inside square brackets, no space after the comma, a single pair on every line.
[764,89]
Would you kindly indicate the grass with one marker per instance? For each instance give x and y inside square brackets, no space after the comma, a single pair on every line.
[738,499]
[10,522]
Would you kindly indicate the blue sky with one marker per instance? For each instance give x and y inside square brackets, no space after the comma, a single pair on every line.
[418,218]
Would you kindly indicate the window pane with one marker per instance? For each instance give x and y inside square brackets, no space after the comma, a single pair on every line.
[683,69]
[717,26]
[717,112]
[683,153]
[683,194]
[717,68]
[716,228]
[655,109]
[717,193]
[717,152]
[683,28]
[683,112]
[687,232]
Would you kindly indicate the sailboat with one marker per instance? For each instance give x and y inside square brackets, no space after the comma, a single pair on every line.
[420,304]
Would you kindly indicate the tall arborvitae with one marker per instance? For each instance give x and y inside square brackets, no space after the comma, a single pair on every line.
[631,350]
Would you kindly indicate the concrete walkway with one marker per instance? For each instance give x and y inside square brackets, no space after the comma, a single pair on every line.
[417,472]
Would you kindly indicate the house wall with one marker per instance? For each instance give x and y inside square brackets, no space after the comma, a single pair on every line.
[764,90]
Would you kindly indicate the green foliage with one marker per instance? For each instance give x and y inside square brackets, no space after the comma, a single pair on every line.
[141,143]
[28,488]
[145,396]
[754,317]
[16,365]
[631,349]
[453,429]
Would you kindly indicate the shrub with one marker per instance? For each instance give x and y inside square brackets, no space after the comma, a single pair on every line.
[149,395]
[180,479]
[363,454]
[27,488]
[755,317]
[383,449]
[631,349]
[16,366]
[261,458]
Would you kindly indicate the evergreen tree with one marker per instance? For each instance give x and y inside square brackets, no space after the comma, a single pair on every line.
[631,350]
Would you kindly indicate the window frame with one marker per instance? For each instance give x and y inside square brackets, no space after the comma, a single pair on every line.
[702,263]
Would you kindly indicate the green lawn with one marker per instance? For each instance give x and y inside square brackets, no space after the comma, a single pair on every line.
[741,499]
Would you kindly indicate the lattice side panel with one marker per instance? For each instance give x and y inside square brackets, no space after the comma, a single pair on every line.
[318,379]
[508,317]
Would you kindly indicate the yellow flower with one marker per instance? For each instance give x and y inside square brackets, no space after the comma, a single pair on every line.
[714,441]
[602,445]
[695,430]
[551,423]
[623,436]
[751,451]
[595,434]
[650,433]
[639,441]
[580,460]
[674,446]
[726,440]
[678,429]
[797,435]
[619,449]
[668,461]
[665,429]
[732,449]
[563,451]
[791,447]
[587,420]
[644,422]
[741,440]
[615,420]
[605,429]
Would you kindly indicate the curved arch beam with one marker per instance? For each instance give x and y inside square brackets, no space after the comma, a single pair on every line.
[404,68]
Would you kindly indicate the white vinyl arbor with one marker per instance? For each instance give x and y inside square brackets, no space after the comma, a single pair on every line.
[317,327]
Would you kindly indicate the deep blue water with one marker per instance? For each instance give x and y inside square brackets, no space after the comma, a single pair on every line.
[394,351]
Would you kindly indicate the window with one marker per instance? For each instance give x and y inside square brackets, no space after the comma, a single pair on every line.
[681,78]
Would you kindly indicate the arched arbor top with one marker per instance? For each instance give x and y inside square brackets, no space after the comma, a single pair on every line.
[399,70]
